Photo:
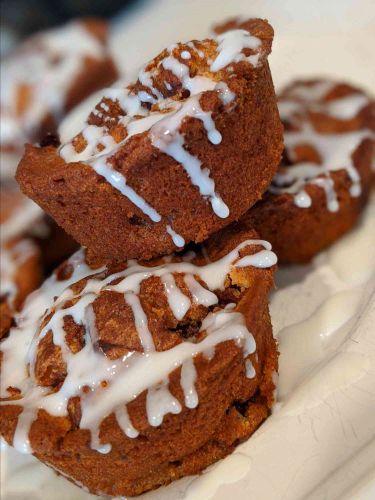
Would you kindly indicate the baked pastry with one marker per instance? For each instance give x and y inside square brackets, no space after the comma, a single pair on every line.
[161,162]
[47,76]
[144,372]
[324,179]
[20,267]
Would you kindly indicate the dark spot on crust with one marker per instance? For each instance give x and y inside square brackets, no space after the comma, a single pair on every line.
[187,330]
[50,140]
[147,105]
[176,463]
[135,220]
[241,407]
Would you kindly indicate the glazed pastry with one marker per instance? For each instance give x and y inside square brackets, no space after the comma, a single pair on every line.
[47,76]
[20,266]
[21,217]
[161,162]
[144,372]
[324,179]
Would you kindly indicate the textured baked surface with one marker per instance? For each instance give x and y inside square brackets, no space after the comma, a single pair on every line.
[231,405]
[101,218]
[299,233]
[45,77]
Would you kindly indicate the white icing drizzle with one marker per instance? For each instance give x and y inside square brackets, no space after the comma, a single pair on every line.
[250,370]
[160,401]
[185,54]
[126,377]
[140,320]
[118,181]
[200,295]
[15,347]
[165,136]
[125,423]
[178,302]
[311,93]
[263,259]
[21,440]
[188,378]
[301,199]
[347,107]
[178,240]
[227,96]
[164,127]
[335,150]
[47,65]
[328,185]
[231,45]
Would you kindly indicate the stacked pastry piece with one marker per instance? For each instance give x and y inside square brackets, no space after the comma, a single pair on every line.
[148,370]
[41,81]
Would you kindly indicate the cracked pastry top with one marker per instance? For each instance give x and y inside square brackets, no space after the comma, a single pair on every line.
[160,162]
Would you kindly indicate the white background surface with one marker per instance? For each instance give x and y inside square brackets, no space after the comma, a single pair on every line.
[320,444]
[312,37]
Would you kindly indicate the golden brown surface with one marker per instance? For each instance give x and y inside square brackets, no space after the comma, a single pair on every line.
[104,220]
[231,406]
[298,234]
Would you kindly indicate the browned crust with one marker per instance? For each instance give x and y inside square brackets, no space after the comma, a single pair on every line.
[95,74]
[101,218]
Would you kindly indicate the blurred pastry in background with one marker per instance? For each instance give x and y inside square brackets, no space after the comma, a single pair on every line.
[31,246]
[160,163]
[20,259]
[325,177]
[45,77]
